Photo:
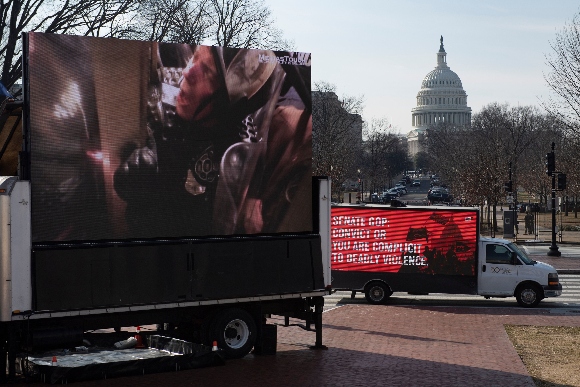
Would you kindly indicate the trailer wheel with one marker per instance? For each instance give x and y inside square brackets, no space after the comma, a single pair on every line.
[377,293]
[528,295]
[235,332]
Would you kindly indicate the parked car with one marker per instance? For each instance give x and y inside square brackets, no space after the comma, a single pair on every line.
[401,188]
[388,197]
[438,194]
[376,198]
[393,191]
[435,196]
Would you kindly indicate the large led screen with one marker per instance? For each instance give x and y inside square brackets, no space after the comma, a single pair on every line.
[136,140]
[403,240]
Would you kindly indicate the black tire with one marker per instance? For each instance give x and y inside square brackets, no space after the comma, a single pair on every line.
[235,332]
[377,293]
[529,295]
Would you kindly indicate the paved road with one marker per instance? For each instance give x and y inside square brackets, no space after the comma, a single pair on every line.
[569,302]
[417,195]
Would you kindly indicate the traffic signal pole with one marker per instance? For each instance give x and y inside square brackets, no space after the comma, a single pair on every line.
[515,205]
[553,251]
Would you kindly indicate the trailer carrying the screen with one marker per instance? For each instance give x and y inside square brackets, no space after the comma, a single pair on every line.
[161,184]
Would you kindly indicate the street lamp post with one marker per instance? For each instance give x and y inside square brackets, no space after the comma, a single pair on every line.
[553,251]
[514,206]
[360,186]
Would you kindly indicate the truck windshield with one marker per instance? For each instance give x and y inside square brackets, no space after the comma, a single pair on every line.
[521,254]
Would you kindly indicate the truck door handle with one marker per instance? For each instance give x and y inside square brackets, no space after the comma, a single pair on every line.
[483,268]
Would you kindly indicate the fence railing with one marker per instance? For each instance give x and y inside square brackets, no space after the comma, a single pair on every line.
[537,227]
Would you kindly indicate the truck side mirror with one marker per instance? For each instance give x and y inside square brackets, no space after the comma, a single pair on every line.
[515,260]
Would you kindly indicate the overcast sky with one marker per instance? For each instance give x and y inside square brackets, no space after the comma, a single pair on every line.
[382,49]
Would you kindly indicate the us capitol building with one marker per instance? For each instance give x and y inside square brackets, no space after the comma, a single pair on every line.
[441,99]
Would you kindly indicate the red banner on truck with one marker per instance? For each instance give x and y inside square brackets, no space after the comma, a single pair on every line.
[396,240]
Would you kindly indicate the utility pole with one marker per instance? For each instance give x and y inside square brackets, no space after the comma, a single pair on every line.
[512,217]
[515,206]
[551,170]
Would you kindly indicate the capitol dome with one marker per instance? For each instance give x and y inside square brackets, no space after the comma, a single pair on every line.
[441,77]
[440,100]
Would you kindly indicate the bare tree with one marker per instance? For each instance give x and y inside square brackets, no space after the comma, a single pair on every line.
[531,168]
[79,17]
[244,23]
[230,23]
[236,23]
[383,155]
[568,162]
[336,134]
[500,136]
[472,159]
[422,161]
[175,21]
[564,76]
[451,153]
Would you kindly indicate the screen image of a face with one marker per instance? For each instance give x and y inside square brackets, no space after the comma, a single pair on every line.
[138,140]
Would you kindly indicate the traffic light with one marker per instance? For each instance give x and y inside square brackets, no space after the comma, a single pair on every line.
[550,163]
[508,186]
[561,181]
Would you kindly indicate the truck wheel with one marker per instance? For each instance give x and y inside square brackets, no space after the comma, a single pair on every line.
[377,293]
[528,295]
[235,332]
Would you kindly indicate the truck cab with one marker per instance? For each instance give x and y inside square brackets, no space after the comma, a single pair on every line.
[505,271]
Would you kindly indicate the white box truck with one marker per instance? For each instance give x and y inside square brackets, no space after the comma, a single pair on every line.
[379,250]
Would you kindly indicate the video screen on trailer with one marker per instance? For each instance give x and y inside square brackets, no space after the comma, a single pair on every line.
[404,241]
[135,140]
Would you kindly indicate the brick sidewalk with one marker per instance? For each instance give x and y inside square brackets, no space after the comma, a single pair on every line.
[380,346]
[567,263]
[564,265]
